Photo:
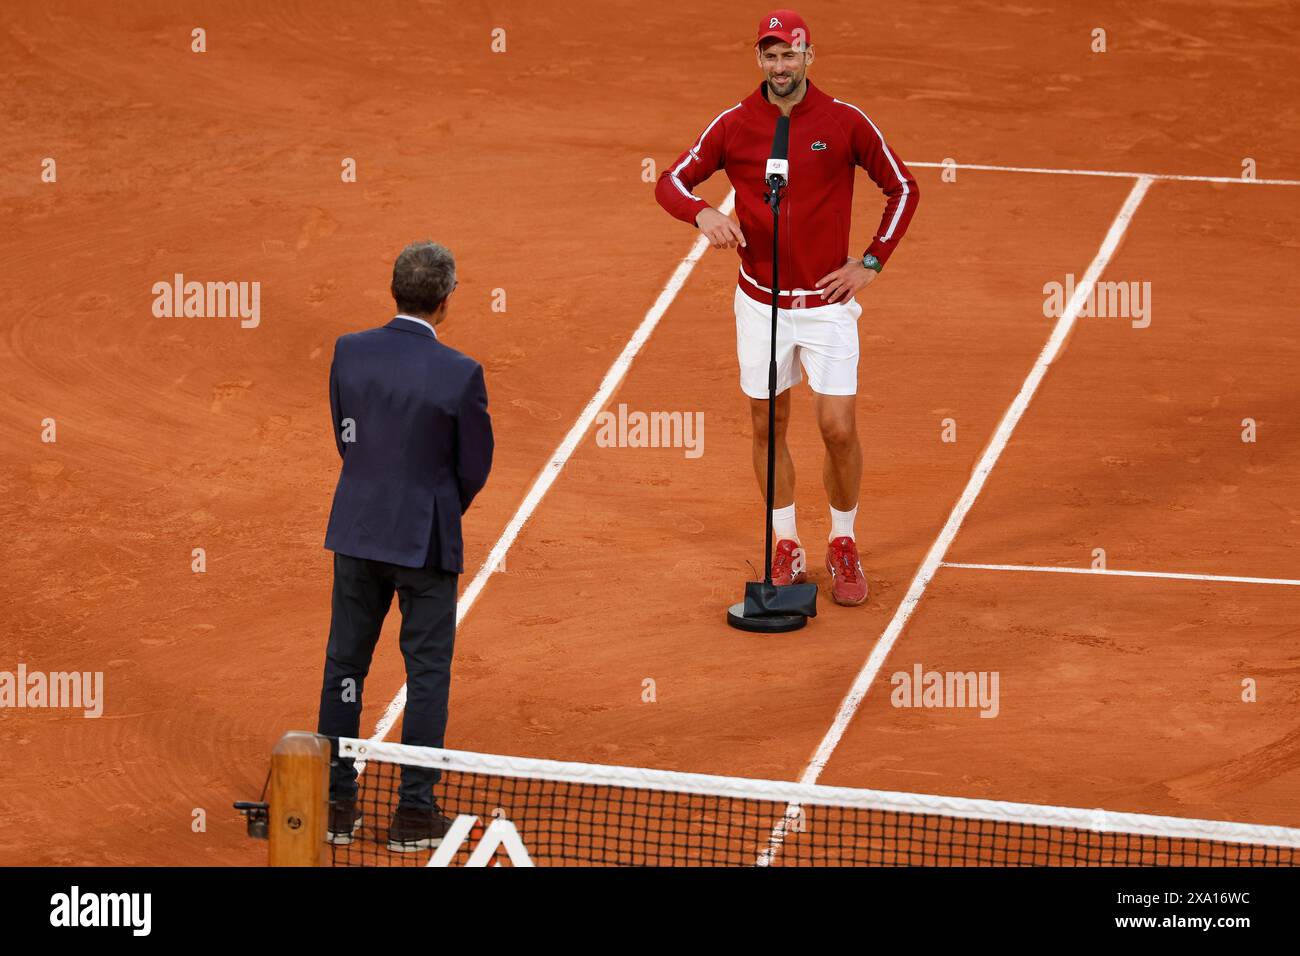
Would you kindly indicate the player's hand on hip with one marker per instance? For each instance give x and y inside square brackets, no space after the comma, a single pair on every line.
[722,231]
[846,281]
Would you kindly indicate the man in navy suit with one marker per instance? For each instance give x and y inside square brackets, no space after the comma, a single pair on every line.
[412,427]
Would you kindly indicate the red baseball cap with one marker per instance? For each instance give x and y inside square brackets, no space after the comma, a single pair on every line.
[784,25]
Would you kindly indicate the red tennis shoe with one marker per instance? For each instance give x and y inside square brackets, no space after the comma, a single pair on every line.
[848,583]
[789,563]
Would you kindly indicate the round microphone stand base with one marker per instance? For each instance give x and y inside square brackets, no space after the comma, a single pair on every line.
[764,623]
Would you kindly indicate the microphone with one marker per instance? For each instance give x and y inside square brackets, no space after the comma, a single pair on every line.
[778,165]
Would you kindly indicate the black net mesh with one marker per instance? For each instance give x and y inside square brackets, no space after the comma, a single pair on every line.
[568,823]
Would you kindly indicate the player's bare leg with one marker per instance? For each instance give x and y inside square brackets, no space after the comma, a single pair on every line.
[842,476]
[784,463]
[788,560]
[842,468]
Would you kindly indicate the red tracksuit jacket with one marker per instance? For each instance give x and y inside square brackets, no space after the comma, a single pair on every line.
[828,139]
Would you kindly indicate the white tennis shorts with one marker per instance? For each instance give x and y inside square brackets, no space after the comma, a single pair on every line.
[824,339]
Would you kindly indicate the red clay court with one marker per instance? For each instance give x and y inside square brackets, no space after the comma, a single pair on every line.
[1123,687]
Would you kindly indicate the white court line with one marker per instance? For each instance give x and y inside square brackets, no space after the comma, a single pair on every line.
[1173,575]
[849,706]
[1106,172]
[551,470]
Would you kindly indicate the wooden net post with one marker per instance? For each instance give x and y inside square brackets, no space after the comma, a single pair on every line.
[299,800]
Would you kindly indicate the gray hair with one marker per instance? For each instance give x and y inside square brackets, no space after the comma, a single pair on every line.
[423,276]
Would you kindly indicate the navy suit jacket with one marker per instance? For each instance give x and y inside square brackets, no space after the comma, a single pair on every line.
[420,449]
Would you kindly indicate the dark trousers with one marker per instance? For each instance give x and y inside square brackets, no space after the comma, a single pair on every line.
[363,592]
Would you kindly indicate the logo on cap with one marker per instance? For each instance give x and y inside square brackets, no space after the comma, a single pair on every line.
[773,23]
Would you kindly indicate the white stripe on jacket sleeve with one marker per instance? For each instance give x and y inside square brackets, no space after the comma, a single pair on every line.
[893,223]
[694,153]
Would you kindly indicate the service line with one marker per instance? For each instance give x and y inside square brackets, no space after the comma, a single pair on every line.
[1111,572]
[1106,172]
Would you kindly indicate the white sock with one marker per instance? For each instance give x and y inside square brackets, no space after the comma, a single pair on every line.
[783,523]
[842,523]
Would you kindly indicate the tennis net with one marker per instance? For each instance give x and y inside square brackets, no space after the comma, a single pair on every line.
[521,811]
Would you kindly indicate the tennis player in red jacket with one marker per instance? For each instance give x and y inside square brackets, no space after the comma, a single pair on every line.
[817,312]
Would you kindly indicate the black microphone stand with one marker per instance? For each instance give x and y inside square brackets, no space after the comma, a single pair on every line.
[775,186]
[770,608]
